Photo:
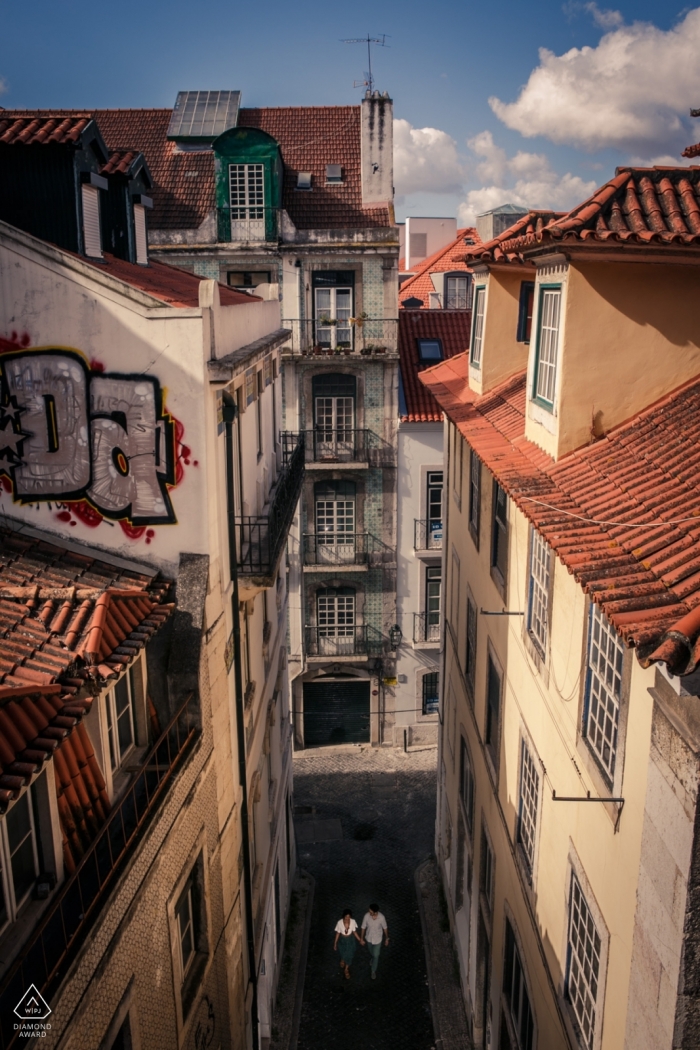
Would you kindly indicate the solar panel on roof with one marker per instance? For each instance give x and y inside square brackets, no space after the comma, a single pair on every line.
[204,114]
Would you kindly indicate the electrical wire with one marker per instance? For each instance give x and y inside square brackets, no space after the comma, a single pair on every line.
[623,524]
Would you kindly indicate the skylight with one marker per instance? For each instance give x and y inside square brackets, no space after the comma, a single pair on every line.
[204,114]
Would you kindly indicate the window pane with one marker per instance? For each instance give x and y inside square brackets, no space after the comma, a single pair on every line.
[470,662]
[185,925]
[20,836]
[457,293]
[478,328]
[430,349]
[584,963]
[474,493]
[493,705]
[431,692]
[499,553]
[548,344]
[528,800]
[604,689]
[124,715]
[539,591]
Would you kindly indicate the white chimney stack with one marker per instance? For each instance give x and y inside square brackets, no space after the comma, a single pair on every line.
[377,149]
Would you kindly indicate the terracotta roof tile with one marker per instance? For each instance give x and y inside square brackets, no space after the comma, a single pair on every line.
[452,328]
[504,248]
[450,258]
[310,137]
[636,555]
[168,283]
[30,129]
[120,161]
[650,207]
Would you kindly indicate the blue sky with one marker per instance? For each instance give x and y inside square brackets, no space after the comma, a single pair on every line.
[483,115]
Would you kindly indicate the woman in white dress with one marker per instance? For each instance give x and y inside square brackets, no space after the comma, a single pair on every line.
[346,933]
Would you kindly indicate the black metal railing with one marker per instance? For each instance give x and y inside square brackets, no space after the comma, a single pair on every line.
[344,640]
[426,627]
[427,534]
[78,900]
[333,446]
[332,548]
[259,540]
[369,336]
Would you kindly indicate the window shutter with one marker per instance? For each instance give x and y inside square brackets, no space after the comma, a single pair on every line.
[140,230]
[91,222]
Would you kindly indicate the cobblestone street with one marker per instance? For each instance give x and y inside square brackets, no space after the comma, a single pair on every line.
[365,820]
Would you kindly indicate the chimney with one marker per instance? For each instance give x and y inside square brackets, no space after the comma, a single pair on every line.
[377,148]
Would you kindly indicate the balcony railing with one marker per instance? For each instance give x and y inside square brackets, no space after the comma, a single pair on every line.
[345,640]
[333,446]
[44,959]
[427,534]
[260,539]
[369,336]
[248,225]
[425,628]
[328,548]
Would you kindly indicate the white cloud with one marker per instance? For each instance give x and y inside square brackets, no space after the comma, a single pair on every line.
[629,92]
[527,179]
[603,17]
[425,160]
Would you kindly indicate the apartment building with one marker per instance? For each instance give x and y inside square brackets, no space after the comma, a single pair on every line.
[146,842]
[568,769]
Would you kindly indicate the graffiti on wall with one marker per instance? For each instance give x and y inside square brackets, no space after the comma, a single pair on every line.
[99,443]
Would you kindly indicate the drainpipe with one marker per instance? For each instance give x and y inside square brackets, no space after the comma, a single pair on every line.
[229,414]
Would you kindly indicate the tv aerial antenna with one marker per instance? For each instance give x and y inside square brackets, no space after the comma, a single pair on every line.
[368,82]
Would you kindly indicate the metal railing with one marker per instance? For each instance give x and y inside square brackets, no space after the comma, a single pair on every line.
[344,640]
[327,548]
[427,534]
[259,540]
[369,336]
[248,225]
[78,900]
[425,629]
[333,446]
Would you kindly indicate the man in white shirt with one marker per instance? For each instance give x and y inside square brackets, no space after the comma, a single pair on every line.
[373,927]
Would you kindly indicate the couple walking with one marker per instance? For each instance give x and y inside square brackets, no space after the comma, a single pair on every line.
[373,927]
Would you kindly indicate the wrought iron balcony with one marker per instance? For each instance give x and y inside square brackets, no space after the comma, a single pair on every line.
[344,640]
[426,628]
[427,534]
[248,225]
[369,336]
[335,446]
[329,548]
[45,958]
[259,540]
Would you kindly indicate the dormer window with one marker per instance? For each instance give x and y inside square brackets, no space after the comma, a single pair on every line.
[140,235]
[334,173]
[457,293]
[547,345]
[304,180]
[90,196]
[478,326]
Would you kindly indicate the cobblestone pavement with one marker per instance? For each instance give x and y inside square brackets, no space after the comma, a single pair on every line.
[383,803]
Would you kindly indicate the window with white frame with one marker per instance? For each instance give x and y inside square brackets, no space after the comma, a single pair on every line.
[547,344]
[583,963]
[478,326]
[433,591]
[333,313]
[516,994]
[457,293]
[247,191]
[184,913]
[335,615]
[538,596]
[499,532]
[603,690]
[121,719]
[528,801]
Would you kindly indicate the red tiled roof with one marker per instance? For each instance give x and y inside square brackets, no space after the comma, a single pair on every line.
[120,161]
[68,617]
[33,129]
[623,514]
[451,257]
[499,251]
[310,137]
[657,207]
[691,151]
[452,328]
[169,283]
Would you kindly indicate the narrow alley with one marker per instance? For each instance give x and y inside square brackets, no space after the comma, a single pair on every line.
[365,820]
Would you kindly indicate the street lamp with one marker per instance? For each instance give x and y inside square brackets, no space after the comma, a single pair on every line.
[395,636]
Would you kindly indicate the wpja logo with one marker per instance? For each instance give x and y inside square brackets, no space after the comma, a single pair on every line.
[32,1010]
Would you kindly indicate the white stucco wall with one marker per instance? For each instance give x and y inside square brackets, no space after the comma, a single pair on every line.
[419,450]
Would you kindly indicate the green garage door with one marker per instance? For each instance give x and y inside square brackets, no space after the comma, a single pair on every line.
[336,713]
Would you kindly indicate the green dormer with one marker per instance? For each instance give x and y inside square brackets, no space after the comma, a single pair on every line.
[248,167]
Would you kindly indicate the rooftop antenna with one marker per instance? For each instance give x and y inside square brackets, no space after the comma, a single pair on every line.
[368,82]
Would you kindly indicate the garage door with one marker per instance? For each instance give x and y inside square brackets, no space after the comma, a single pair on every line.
[336,713]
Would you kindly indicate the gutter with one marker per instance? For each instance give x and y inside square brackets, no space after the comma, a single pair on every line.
[229,414]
